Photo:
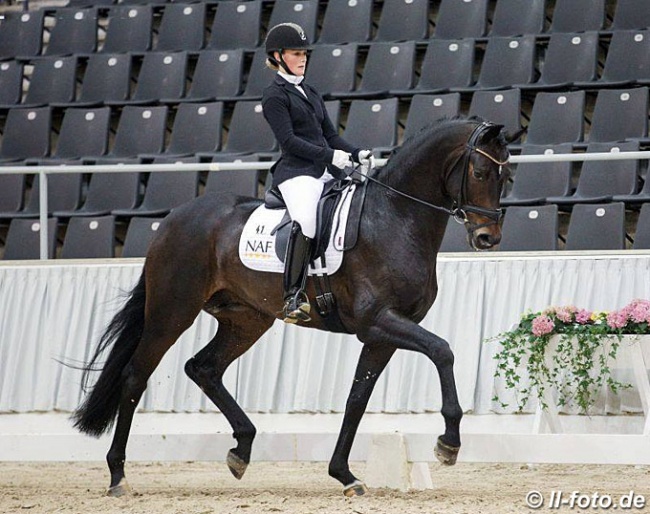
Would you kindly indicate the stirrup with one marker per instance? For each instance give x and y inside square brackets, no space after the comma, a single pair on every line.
[297,308]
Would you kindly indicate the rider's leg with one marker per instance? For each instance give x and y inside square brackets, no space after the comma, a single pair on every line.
[296,262]
[301,196]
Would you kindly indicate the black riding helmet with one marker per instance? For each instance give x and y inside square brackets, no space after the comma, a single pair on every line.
[285,36]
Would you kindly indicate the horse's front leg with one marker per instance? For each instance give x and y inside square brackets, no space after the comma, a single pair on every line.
[400,332]
[372,361]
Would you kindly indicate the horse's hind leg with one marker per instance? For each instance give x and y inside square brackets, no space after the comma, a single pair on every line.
[372,361]
[234,336]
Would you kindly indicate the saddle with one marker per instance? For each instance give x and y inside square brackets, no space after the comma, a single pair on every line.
[333,193]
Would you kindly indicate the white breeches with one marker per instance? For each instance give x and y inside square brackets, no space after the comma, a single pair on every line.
[301,196]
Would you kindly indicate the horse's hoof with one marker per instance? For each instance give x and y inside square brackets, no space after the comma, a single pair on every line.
[121,489]
[445,453]
[356,488]
[236,465]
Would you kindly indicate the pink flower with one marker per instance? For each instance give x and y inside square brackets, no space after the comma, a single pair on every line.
[583,316]
[565,314]
[617,319]
[638,310]
[542,325]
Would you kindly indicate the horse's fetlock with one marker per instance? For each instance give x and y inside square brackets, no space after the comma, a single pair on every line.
[452,413]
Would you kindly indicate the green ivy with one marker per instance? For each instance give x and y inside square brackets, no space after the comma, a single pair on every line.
[576,371]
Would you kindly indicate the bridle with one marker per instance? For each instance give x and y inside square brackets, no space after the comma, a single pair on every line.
[460,207]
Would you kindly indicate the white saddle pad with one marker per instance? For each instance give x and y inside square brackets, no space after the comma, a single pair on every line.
[257,245]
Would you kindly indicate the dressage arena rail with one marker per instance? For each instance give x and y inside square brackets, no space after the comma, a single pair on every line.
[44,171]
[54,310]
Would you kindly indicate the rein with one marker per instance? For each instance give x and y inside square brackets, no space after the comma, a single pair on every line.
[459,209]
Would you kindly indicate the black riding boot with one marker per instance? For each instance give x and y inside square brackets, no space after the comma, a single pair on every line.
[296,261]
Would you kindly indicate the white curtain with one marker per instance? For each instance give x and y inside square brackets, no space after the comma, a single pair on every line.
[52,313]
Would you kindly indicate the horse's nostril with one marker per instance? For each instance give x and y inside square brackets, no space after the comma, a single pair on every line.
[487,240]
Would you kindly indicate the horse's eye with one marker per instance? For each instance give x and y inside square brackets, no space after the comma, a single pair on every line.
[480,173]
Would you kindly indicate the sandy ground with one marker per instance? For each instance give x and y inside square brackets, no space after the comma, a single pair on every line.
[304,488]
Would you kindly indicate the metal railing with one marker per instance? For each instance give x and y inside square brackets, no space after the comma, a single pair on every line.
[44,171]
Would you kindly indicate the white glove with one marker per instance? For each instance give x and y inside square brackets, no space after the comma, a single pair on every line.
[366,159]
[367,162]
[341,159]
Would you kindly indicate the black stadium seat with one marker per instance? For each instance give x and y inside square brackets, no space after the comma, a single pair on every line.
[139,235]
[388,67]
[597,227]
[557,118]
[107,80]
[347,22]
[89,238]
[162,78]
[372,124]
[11,83]
[600,180]
[129,29]
[302,12]
[502,107]
[26,134]
[196,129]
[332,69]
[448,64]
[218,75]
[182,27]
[403,21]
[517,18]
[23,239]
[464,19]
[21,34]
[520,223]
[165,190]
[508,62]
[74,32]
[426,109]
[63,193]
[53,81]
[236,25]
[578,16]
[534,182]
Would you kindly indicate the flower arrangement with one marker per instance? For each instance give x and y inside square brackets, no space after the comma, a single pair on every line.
[577,366]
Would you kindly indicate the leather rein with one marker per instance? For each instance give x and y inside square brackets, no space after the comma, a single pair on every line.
[459,207]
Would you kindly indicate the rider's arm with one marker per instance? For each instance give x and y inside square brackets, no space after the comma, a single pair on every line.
[276,112]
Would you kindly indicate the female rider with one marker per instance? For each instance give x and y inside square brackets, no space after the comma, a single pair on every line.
[312,153]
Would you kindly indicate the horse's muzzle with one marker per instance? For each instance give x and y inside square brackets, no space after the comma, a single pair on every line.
[485,238]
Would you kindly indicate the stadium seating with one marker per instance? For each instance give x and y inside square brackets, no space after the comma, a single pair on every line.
[89,238]
[129,29]
[535,182]
[597,227]
[133,81]
[347,22]
[23,239]
[139,235]
[520,222]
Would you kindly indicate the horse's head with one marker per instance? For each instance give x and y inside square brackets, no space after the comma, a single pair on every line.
[476,182]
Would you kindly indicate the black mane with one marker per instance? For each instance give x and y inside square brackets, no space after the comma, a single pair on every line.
[425,136]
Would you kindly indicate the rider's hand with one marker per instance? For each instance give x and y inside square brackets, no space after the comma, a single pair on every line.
[341,159]
[366,159]
[367,163]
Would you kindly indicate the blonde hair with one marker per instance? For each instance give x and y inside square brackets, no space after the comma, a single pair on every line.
[271,65]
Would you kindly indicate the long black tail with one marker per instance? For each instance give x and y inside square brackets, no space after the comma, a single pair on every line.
[98,411]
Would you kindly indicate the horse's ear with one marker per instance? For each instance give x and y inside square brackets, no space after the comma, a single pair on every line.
[492,132]
[510,138]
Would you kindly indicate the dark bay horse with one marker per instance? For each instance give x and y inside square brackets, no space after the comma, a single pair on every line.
[384,288]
